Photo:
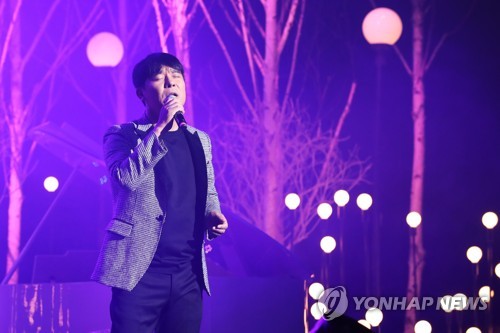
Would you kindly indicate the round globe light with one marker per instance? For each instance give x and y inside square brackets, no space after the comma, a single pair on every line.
[473,330]
[292,201]
[315,290]
[105,50]
[497,270]
[324,210]
[51,184]
[365,323]
[474,254]
[423,326]
[364,201]
[459,301]
[485,293]
[382,26]
[374,316]
[446,303]
[413,219]
[328,244]
[490,220]
[318,309]
[341,198]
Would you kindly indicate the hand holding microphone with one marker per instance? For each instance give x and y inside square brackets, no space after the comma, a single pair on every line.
[171,109]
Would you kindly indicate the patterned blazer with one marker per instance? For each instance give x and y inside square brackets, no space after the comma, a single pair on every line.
[131,151]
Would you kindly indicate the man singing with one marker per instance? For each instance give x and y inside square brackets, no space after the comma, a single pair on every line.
[165,204]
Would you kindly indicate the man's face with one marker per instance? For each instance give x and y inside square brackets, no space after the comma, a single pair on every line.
[157,88]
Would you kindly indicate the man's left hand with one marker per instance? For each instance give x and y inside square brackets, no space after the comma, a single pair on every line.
[216,223]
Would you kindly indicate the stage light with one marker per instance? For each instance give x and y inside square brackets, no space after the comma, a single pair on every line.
[364,201]
[328,244]
[382,26]
[473,330]
[292,201]
[318,309]
[315,290]
[485,293]
[413,219]
[324,210]
[490,220]
[51,184]
[105,50]
[446,303]
[365,323]
[341,198]
[474,254]
[374,316]
[497,270]
[423,326]
[459,301]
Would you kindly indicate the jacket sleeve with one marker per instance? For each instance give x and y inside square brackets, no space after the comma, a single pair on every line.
[212,196]
[128,159]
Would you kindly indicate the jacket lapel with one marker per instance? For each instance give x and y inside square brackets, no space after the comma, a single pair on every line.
[200,170]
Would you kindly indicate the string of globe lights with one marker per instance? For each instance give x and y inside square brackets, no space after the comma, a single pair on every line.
[329,244]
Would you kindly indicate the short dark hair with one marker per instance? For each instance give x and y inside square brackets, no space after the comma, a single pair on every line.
[151,65]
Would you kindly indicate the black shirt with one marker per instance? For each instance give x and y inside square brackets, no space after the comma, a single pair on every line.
[181,237]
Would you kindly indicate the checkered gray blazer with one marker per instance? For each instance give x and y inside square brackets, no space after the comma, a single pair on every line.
[131,152]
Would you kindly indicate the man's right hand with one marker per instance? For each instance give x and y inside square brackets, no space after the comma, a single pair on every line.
[165,119]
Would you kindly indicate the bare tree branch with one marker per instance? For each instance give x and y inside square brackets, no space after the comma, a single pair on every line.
[430,59]
[294,55]
[288,26]
[255,21]
[68,48]
[8,36]
[159,24]
[226,54]
[246,36]
[41,32]
[403,60]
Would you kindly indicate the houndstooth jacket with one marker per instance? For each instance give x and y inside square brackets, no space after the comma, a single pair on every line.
[131,152]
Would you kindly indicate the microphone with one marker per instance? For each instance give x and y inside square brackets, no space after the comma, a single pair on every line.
[179,119]
[178,116]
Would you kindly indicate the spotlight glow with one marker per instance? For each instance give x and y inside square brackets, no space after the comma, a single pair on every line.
[328,244]
[485,293]
[324,210]
[423,326]
[374,316]
[490,220]
[365,323]
[292,201]
[51,184]
[364,201]
[447,303]
[318,309]
[473,330]
[105,50]
[413,219]
[382,26]
[315,290]
[459,301]
[497,270]
[474,254]
[341,198]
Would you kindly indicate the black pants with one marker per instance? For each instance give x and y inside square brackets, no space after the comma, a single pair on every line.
[161,303]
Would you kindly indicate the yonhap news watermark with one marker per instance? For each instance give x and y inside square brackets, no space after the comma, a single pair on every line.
[421,303]
[333,302]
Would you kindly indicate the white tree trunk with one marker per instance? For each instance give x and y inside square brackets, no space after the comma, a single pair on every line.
[17,135]
[273,191]
[416,253]
[179,25]
[121,79]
